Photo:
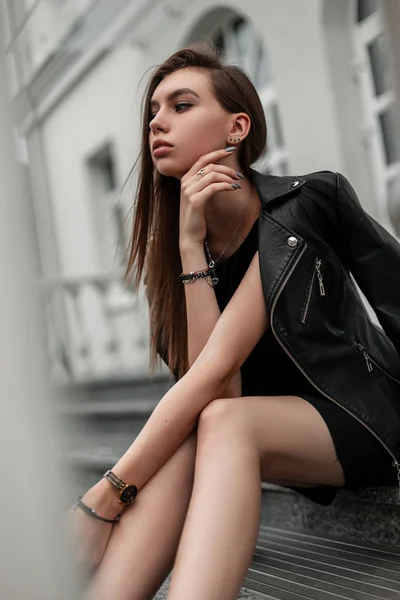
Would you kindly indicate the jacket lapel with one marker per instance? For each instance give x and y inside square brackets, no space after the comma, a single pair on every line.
[279,247]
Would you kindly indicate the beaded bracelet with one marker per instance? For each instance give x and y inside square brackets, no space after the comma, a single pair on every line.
[194,275]
[206,279]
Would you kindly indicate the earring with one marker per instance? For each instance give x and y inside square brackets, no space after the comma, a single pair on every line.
[234,139]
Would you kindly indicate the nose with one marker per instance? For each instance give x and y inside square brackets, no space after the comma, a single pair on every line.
[158,123]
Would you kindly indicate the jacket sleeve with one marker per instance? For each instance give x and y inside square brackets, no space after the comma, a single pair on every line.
[373,257]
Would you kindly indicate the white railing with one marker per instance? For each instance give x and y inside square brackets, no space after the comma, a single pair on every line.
[97,328]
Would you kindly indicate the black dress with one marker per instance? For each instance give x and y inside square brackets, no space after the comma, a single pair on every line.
[363,458]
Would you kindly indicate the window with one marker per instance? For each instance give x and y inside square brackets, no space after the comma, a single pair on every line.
[276,126]
[389,126]
[365,9]
[379,64]
[107,207]
[380,120]
[393,193]
[102,170]
[243,46]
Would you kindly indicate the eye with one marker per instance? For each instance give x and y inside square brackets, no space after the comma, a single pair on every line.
[183,105]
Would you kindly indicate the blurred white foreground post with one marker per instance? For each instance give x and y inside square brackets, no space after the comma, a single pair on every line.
[33,554]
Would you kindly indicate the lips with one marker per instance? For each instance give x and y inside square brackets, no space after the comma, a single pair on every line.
[160,144]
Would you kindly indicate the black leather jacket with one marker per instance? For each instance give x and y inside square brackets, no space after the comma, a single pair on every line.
[313,233]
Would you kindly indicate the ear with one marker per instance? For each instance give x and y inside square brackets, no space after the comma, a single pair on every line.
[239,127]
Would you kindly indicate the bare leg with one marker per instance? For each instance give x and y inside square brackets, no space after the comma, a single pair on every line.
[142,548]
[240,442]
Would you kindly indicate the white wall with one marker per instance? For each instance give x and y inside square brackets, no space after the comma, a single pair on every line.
[337,17]
[101,107]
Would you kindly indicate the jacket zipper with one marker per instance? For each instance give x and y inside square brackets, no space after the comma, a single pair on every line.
[317,273]
[371,361]
[395,463]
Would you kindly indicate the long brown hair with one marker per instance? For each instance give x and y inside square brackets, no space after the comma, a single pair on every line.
[154,244]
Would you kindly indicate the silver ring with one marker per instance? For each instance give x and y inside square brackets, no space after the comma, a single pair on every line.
[201,172]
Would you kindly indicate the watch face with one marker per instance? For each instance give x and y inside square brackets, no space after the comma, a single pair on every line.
[129,494]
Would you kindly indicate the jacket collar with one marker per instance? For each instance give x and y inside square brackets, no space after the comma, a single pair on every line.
[270,187]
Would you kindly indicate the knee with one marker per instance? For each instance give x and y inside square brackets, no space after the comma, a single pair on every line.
[218,412]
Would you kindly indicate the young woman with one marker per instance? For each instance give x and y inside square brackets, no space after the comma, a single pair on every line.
[280,374]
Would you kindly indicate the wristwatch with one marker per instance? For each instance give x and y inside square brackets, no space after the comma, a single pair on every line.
[128,492]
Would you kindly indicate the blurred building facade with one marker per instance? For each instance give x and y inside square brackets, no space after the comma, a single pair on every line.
[328,74]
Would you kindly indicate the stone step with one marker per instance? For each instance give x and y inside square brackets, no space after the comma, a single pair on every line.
[302,565]
[85,465]
[99,427]
[370,514]
[290,565]
[100,440]
[133,389]
[245,593]
[109,422]
[109,408]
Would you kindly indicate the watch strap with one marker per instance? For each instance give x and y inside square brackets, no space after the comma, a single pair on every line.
[115,480]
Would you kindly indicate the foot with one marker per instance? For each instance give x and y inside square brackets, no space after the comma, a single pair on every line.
[89,535]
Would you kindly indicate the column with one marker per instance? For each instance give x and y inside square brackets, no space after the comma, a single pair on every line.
[33,556]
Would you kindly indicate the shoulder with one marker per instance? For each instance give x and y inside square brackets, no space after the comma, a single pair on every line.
[325,182]
[326,189]
[273,187]
[333,193]
[332,184]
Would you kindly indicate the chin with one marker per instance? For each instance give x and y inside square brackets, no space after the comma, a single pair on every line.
[169,169]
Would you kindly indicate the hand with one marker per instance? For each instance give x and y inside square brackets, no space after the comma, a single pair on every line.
[196,190]
[89,535]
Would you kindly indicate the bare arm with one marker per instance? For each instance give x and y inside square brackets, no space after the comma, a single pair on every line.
[201,304]
[202,312]
[234,336]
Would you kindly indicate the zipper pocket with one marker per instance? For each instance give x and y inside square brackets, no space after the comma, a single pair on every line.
[371,362]
[316,275]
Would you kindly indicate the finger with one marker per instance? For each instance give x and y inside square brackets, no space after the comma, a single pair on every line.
[201,197]
[198,185]
[221,169]
[206,159]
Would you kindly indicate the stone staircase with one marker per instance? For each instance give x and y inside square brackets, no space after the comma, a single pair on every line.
[98,420]
[292,565]
[348,550]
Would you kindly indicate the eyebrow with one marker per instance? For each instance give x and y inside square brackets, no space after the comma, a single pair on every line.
[174,94]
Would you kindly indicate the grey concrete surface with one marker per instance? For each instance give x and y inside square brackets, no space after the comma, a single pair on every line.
[244,594]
